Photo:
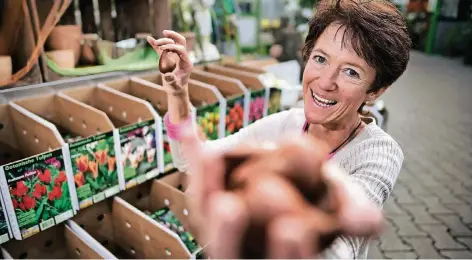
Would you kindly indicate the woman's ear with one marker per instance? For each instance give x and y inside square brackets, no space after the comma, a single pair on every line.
[373,95]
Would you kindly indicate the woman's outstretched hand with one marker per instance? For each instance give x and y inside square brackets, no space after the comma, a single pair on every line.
[278,201]
[176,81]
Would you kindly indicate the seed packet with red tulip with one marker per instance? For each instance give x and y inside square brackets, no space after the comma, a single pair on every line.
[94,168]
[257,106]
[235,110]
[139,152]
[39,192]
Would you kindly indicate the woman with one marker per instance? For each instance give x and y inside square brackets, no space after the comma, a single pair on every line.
[354,51]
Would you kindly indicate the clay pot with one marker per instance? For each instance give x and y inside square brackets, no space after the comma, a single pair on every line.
[5,67]
[87,56]
[63,58]
[66,37]
[191,40]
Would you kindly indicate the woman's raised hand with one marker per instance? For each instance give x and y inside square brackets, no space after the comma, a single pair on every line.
[175,82]
[283,201]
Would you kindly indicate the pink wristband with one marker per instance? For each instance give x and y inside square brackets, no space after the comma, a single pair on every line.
[174,131]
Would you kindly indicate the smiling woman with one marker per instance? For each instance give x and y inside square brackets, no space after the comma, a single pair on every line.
[354,51]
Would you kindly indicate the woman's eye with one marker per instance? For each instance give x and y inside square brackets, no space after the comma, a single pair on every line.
[352,73]
[319,59]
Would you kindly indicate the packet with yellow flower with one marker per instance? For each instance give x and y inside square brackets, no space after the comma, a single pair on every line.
[210,109]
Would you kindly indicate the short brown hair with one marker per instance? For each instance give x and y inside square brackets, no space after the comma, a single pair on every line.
[375,29]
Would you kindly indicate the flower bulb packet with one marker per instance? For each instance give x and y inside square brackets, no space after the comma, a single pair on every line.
[39,192]
[94,168]
[138,152]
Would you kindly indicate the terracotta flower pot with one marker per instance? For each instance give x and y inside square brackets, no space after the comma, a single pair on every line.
[87,55]
[66,37]
[63,58]
[5,67]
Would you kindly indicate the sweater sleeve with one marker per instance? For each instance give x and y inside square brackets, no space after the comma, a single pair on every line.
[374,165]
[265,129]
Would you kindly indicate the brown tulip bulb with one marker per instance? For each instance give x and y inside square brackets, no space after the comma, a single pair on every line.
[286,180]
[166,62]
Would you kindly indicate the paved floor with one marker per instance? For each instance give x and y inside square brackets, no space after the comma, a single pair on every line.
[430,211]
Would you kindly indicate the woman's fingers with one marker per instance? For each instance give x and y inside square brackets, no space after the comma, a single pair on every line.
[159,42]
[300,161]
[228,220]
[181,51]
[286,239]
[302,235]
[178,38]
[357,215]
[156,44]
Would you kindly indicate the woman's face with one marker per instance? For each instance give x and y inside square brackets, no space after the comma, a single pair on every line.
[335,80]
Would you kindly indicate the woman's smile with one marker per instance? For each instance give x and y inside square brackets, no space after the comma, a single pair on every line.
[322,102]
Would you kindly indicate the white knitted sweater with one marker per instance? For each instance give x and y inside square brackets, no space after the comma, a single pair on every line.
[372,159]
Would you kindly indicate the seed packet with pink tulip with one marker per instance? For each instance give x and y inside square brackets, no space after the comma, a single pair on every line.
[36,189]
[138,152]
[257,105]
[148,87]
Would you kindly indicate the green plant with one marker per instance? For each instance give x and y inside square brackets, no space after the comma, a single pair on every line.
[166,217]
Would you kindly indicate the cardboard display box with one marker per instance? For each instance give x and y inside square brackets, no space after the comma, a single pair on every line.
[138,130]
[259,92]
[210,105]
[259,63]
[99,222]
[38,191]
[149,88]
[91,145]
[60,242]
[128,232]
[237,98]
[269,80]
[157,97]
[165,207]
